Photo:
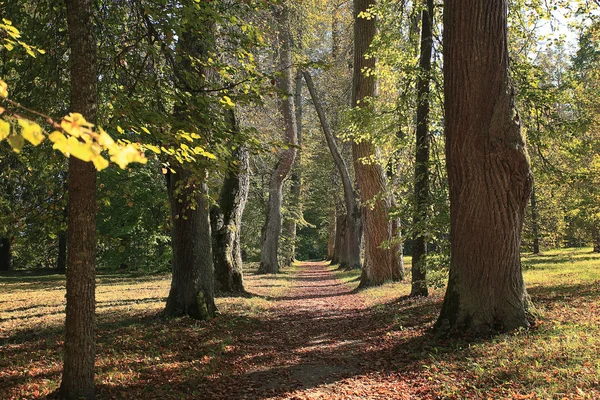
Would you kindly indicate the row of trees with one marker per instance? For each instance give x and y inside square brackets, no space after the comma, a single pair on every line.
[197,85]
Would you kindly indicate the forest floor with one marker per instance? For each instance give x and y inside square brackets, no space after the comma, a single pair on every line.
[308,334]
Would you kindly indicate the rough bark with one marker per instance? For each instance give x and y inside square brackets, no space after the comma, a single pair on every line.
[421,200]
[535,227]
[379,261]
[5,255]
[269,263]
[79,348]
[350,258]
[192,284]
[227,221]
[488,172]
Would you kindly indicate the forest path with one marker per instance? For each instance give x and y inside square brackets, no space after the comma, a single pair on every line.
[320,340]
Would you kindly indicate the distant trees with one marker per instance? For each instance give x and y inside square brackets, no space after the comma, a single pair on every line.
[489,173]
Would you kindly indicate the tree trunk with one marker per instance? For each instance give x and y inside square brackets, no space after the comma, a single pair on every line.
[421,201]
[79,348]
[61,259]
[488,172]
[332,235]
[269,263]
[596,237]
[227,225]
[192,285]
[379,262]
[339,248]
[350,258]
[5,255]
[535,222]
[295,204]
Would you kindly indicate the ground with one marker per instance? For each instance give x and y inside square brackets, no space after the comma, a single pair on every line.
[308,334]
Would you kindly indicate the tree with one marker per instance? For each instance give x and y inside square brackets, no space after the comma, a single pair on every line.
[272,229]
[422,149]
[226,218]
[380,261]
[489,174]
[79,348]
[350,228]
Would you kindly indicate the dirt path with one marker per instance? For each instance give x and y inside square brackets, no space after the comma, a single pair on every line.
[320,341]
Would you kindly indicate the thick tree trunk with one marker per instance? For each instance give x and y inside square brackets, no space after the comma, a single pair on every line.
[421,201]
[350,258]
[192,285]
[488,172]
[379,262]
[269,263]
[79,348]
[535,227]
[227,223]
[5,255]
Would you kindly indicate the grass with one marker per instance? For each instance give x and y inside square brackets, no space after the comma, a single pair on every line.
[142,356]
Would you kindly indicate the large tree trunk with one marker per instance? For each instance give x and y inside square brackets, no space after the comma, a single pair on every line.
[79,348]
[379,262]
[488,172]
[227,223]
[192,285]
[5,255]
[535,227]
[269,263]
[421,201]
[350,258]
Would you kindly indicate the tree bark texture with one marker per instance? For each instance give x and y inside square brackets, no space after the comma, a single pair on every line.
[269,263]
[421,200]
[192,284]
[535,227]
[350,257]
[379,261]
[227,224]
[489,174]
[5,255]
[79,348]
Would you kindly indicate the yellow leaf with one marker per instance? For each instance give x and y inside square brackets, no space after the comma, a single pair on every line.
[100,163]
[83,151]
[155,149]
[75,125]
[126,155]
[4,129]
[145,130]
[3,89]
[16,142]
[227,102]
[57,136]
[31,131]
